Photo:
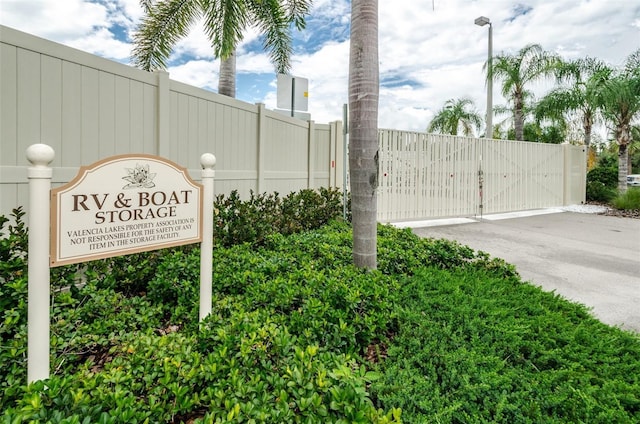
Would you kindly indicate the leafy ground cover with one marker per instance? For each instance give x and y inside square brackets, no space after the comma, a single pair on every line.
[439,333]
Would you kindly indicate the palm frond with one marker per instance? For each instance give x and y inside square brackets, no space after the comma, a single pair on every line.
[632,64]
[146,5]
[297,10]
[225,21]
[165,23]
[270,16]
[454,115]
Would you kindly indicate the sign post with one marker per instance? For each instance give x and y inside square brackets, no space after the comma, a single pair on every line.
[40,156]
[207,161]
[120,205]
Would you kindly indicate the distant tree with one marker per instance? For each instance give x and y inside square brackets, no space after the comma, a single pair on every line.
[581,77]
[516,72]
[363,130]
[455,115]
[633,161]
[167,21]
[505,129]
[534,131]
[634,150]
[619,99]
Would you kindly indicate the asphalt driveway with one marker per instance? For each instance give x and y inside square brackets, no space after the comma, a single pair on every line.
[587,258]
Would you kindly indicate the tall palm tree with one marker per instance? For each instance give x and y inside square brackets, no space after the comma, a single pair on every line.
[167,21]
[505,129]
[583,76]
[619,98]
[633,150]
[456,114]
[363,130]
[516,72]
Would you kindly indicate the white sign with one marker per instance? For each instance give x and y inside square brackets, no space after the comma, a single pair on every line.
[124,204]
[292,93]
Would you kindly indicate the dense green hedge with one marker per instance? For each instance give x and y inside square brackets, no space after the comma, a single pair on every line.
[439,333]
[238,221]
[602,183]
[476,348]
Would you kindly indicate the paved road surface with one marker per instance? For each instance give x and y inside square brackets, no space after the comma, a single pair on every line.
[588,258]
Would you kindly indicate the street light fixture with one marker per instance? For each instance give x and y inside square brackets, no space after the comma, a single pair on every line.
[488,133]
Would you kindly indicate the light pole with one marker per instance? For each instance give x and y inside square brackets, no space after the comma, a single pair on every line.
[482,21]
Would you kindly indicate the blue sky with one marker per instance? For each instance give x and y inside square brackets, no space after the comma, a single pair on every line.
[430,50]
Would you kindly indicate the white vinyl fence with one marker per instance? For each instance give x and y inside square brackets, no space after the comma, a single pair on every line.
[88,108]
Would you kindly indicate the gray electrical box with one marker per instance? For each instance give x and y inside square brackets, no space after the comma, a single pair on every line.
[293,93]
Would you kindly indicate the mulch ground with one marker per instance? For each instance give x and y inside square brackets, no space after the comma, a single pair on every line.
[621,213]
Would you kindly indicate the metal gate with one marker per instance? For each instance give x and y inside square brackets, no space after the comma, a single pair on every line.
[428,175]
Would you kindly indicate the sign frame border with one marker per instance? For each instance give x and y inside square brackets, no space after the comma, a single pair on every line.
[83,171]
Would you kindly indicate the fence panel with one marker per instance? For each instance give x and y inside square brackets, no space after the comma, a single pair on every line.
[286,153]
[521,175]
[575,166]
[88,108]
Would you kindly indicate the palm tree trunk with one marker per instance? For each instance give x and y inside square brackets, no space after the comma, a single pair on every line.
[587,126]
[518,117]
[624,139]
[363,133]
[227,78]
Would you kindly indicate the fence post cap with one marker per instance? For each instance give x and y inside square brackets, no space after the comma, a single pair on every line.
[40,154]
[207,160]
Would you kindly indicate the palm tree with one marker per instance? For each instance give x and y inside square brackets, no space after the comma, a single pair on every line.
[633,149]
[619,98]
[583,76]
[363,130]
[167,21]
[516,72]
[456,114]
[505,129]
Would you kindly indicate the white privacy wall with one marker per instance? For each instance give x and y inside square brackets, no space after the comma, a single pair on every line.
[88,108]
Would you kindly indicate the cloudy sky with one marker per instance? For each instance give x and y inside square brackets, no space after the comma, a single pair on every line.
[430,50]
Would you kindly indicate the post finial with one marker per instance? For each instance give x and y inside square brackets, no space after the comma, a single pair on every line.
[208,161]
[40,154]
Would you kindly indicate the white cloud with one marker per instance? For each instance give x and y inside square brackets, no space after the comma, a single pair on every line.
[200,73]
[60,21]
[430,49]
[195,46]
[103,43]
[254,62]
[327,71]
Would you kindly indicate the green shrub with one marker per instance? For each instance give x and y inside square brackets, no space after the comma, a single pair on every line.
[629,200]
[238,221]
[256,357]
[13,269]
[309,209]
[175,287]
[298,334]
[598,192]
[608,160]
[602,184]
[476,348]
[607,175]
[265,374]
[14,245]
